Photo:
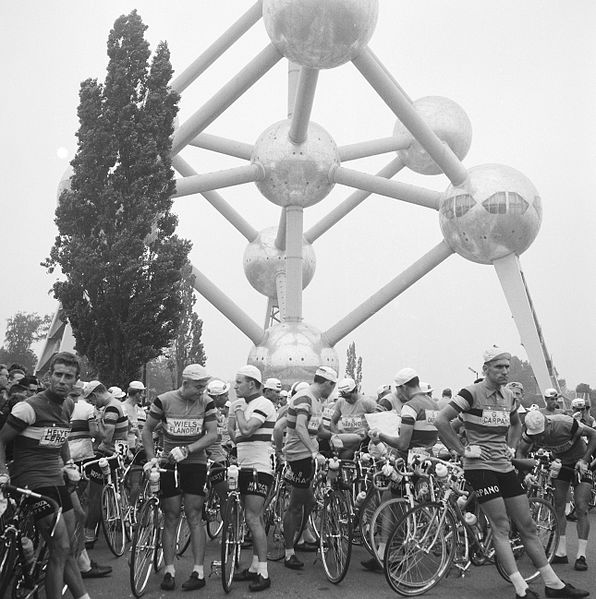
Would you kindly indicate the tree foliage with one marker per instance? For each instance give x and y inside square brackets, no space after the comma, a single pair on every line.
[116,245]
[521,371]
[353,364]
[22,331]
[187,347]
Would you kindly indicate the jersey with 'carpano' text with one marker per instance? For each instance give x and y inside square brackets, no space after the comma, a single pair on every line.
[420,412]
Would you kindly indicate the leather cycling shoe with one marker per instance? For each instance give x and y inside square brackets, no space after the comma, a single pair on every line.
[168,583]
[568,591]
[372,565]
[260,584]
[193,582]
[245,574]
[559,559]
[580,563]
[97,571]
[293,563]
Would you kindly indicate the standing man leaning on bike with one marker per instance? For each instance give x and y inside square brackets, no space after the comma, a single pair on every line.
[189,421]
[562,435]
[250,424]
[39,428]
[304,421]
[493,429]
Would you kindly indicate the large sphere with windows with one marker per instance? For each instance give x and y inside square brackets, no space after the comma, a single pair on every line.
[292,351]
[450,123]
[295,174]
[263,261]
[496,212]
[320,34]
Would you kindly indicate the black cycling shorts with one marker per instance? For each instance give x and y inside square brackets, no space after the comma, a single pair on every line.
[489,484]
[300,473]
[568,474]
[259,485]
[94,472]
[40,508]
[217,473]
[191,480]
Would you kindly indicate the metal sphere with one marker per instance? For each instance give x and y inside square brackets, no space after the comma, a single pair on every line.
[64,182]
[496,212]
[295,174]
[292,351]
[263,262]
[451,124]
[317,34]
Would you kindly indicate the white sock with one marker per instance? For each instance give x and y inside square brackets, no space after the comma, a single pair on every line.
[581,547]
[262,569]
[517,580]
[562,546]
[170,569]
[550,578]
[85,596]
[199,570]
[381,551]
[254,566]
[289,553]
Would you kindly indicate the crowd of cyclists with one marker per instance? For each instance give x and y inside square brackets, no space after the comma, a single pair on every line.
[192,434]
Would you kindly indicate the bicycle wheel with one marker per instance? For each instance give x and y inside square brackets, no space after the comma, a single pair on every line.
[182,535]
[158,555]
[420,549]
[212,513]
[144,546]
[547,530]
[382,522]
[336,535]
[274,528]
[231,541]
[8,560]
[367,509]
[111,520]
[314,518]
[126,511]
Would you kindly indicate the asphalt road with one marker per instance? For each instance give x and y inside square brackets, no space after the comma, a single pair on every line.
[483,581]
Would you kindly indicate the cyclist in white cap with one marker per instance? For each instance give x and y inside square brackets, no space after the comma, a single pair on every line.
[271,390]
[552,399]
[251,421]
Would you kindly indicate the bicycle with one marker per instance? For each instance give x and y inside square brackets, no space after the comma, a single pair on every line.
[336,530]
[22,576]
[146,553]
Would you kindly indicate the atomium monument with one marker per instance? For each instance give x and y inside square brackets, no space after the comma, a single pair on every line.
[488,214]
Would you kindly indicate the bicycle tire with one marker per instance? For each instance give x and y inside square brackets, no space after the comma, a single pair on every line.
[126,512]
[8,560]
[111,521]
[314,518]
[384,518]
[420,549]
[370,504]
[144,546]
[336,535]
[212,512]
[158,555]
[231,541]
[274,528]
[547,529]
[182,535]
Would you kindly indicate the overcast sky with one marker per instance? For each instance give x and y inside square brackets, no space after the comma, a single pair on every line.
[524,72]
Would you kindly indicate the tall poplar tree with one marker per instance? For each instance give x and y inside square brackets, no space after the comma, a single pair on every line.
[116,247]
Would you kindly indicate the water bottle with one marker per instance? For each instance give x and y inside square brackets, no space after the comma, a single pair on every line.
[470,518]
[232,477]
[555,468]
[28,551]
[391,473]
[360,499]
[441,473]
[461,501]
[154,481]
[105,466]
[333,471]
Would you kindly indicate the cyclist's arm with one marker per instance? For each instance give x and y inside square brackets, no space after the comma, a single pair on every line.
[515,430]
[590,433]
[65,452]
[7,434]
[443,424]
[247,427]
[334,420]
[207,439]
[523,449]
[278,434]
[402,441]
[147,436]
[302,431]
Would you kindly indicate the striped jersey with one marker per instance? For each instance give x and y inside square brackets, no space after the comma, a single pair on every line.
[420,412]
[80,442]
[350,417]
[113,415]
[255,451]
[486,416]
[183,421]
[562,436]
[304,402]
[43,424]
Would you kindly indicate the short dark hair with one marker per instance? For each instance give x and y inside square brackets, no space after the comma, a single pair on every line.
[447,392]
[14,371]
[29,379]
[16,388]
[17,366]
[68,359]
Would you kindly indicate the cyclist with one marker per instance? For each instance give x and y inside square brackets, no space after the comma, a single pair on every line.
[553,400]
[39,427]
[271,390]
[112,427]
[518,394]
[581,411]
[348,425]
[304,420]
[250,423]
[189,421]
[493,428]
[563,436]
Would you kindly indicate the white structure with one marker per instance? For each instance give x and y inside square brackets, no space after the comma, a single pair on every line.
[489,214]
